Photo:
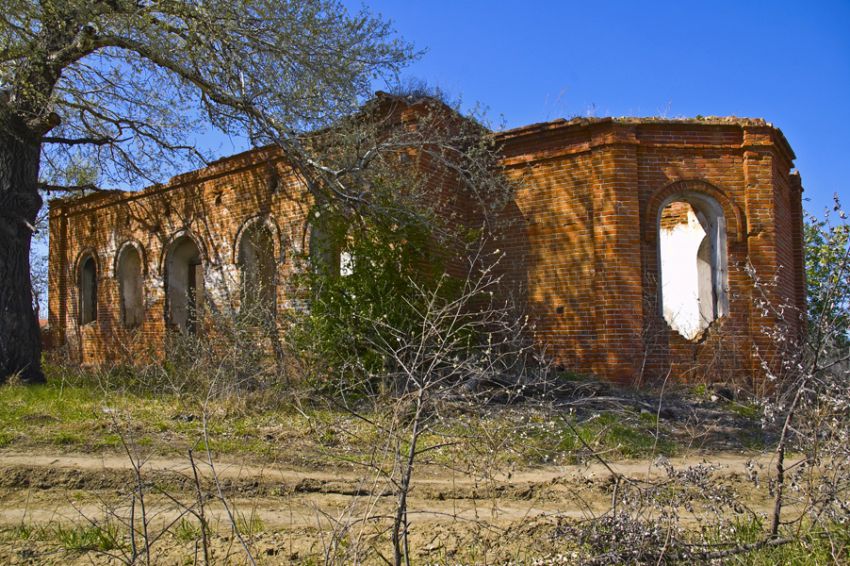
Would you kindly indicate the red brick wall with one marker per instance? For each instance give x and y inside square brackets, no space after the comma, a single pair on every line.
[579,239]
[211,205]
[587,212]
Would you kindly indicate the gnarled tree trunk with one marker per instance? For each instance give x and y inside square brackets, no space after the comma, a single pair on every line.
[20,342]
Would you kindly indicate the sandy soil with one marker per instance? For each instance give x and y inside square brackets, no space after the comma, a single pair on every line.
[297,515]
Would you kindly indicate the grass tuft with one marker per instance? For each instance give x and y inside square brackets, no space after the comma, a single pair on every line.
[95,537]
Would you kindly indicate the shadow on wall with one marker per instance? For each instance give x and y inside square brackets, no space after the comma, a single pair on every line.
[174,253]
[545,273]
[220,244]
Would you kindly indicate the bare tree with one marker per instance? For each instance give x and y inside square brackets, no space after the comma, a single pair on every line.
[466,347]
[810,404]
[124,84]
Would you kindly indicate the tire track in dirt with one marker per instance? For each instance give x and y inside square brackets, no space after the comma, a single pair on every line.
[296,510]
[556,489]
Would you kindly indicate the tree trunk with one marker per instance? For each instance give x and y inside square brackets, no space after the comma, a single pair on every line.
[20,340]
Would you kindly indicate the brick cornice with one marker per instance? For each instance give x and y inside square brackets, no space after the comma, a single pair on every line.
[230,166]
[757,135]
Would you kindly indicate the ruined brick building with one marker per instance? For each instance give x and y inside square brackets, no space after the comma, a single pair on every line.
[634,246]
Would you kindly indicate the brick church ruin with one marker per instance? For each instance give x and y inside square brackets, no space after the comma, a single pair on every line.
[635,244]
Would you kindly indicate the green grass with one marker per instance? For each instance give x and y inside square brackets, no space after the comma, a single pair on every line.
[186,530]
[89,537]
[23,531]
[74,413]
[249,524]
[700,390]
[7,438]
[626,437]
[73,416]
[617,436]
[751,411]
[804,552]
[809,546]
[65,438]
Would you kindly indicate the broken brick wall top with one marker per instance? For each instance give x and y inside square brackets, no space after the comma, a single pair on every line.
[582,238]
[587,241]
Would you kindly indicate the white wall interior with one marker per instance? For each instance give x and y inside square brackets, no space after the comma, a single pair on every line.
[184,284]
[130,286]
[686,270]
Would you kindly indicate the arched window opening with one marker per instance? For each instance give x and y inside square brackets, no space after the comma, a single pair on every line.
[328,255]
[130,286]
[88,290]
[692,249]
[185,285]
[324,253]
[257,266]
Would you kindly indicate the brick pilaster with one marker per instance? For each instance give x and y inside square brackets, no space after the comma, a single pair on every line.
[616,235]
[760,202]
[57,274]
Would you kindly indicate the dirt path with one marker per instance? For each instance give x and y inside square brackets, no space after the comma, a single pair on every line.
[84,463]
[295,511]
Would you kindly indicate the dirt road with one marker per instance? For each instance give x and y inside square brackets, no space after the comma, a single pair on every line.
[300,515]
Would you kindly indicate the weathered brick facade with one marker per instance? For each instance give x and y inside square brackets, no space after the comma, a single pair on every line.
[581,240]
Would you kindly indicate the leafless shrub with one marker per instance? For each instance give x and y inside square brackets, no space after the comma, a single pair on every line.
[692,515]
[466,350]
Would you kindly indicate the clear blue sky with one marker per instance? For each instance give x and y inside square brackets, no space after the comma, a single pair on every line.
[787,62]
[533,61]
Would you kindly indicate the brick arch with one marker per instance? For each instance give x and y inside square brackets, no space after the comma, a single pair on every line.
[139,249]
[84,253]
[82,257]
[732,213]
[166,249]
[130,285]
[269,223]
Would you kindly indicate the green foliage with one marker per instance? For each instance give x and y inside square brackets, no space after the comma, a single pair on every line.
[617,435]
[363,279]
[828,279]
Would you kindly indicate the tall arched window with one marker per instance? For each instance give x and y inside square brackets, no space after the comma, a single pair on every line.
[324,254]
[184,275]
[130,286]
[88,289]
[257,268]
[692,251]
[328,254]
